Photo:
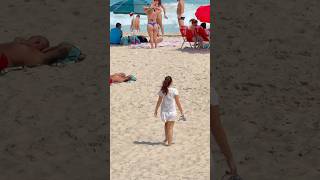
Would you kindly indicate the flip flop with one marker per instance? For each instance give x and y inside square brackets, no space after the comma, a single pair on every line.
[182,118]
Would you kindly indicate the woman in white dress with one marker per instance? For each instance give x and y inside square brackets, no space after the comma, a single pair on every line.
[168,99]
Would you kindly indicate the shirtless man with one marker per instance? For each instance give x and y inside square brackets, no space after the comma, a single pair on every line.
[31,52]
[180,12]
[120,77]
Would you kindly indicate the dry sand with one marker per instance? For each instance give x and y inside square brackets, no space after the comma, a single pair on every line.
[53,119]
[136,151]
[267,74]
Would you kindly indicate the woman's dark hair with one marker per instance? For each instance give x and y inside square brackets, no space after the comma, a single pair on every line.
[193,21]
[159,2]
[204,25]
[166,83]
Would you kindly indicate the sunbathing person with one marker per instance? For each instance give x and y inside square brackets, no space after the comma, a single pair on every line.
[120,77]
[193,33]
[204,26]
[152,27]
[31,52]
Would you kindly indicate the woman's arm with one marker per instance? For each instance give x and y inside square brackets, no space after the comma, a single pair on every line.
[164,11]
[178,104]
[157,106]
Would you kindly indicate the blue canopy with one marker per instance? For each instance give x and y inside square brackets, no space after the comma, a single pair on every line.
[129,6]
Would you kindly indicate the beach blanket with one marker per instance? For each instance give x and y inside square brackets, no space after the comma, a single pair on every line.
[74,56]
[170,43]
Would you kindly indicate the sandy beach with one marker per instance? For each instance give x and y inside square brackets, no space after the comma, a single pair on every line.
[53,119]
[136,135]
[267,73]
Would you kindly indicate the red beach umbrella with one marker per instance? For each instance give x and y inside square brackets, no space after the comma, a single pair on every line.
[203,13]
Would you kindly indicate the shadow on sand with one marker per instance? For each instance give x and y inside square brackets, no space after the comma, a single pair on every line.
[147,143]
[194,51]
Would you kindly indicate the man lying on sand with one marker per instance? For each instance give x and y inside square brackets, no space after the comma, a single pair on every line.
[120,77]
[31,52]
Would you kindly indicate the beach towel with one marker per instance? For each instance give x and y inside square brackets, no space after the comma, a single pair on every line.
[132,78]
[134,40]
[74,56]
[170,43]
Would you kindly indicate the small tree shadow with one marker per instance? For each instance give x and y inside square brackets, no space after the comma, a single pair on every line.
[147,143]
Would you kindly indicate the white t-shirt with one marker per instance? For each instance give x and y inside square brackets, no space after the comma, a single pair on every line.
[168,101]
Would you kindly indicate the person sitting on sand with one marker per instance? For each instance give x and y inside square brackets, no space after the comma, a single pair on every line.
[116,34]
[152,26]
[31,52]
[120,77]
[220,135]
[194,32]
[158,6]
[168,97]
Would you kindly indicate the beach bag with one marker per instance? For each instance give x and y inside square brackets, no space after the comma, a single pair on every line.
[143,39]
[124,40]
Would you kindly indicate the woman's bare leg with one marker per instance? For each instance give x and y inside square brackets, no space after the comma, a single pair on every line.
[155,35]
[170,132]
[159,21]
[221,138]
[150,32]
[166,132]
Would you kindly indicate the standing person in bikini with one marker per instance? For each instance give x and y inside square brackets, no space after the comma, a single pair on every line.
[152,26]
[31,52]
[168,99]
[159,7]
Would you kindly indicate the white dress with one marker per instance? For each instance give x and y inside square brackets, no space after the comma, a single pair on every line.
[168,105]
